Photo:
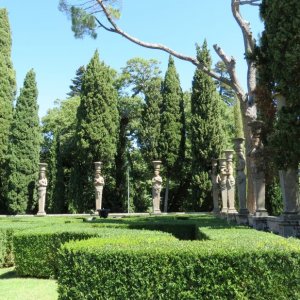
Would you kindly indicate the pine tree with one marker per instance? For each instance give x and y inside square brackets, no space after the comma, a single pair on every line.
[171,125]
[24,149]
[7,93]
[96,133]
[206,131]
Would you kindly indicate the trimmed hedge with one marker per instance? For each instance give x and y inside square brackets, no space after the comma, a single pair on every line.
[6,256]
[10,225]
[267,267]
[36,250]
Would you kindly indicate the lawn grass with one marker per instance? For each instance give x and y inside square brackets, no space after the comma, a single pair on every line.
[16,288]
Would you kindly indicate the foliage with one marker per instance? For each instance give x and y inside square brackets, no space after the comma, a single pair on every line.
[226,92]
[206,130]
[171,124]
[24,149]
[129,113]
[83,17]
[58,150]
[7,93]
[150,130]
[137,74]
[172,129]
[278,64]
[96,134]
[75,87]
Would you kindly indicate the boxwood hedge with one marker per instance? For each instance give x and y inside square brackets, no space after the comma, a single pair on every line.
[264,267]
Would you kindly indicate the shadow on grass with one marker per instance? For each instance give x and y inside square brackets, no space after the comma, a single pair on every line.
[9,274]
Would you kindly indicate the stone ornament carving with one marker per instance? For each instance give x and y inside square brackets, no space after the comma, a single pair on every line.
[42,188]
[222,181]
[230,181]
[215,185]
[98,183]
[256,155]
[156,186]
[241,175]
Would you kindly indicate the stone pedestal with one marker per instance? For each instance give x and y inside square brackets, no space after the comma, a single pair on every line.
[222,181]
[242,219]
[290,191]
[256,155]
[42,189]
[230,182]
[215,186]
[156,187]
[98,183]
[260,223]
[289,229]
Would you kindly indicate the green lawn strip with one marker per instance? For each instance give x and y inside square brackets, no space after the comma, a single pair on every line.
[13,287]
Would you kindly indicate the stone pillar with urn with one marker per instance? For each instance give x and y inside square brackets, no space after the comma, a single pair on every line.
[156,187]
[98,183]
[42,189]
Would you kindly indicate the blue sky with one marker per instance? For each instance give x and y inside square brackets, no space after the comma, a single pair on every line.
[43,40]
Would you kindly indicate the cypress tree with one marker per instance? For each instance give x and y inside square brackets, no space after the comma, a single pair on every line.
[97,132]
[171,125]
[7,93]
[206,131]
[150,123]
[24,149]
[279,70]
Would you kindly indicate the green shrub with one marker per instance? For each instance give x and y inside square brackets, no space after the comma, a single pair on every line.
[36,250]
[264,267]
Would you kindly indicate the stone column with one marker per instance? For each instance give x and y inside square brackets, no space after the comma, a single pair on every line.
[42,188]
[256,155]
[222,181]
[156,187]
[98,183]
[230,181]
[215,185]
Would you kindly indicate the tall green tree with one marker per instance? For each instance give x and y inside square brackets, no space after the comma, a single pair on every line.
[279,71]
[7,93]
[150,130]
[24,149]
[207,134]
[129,113]
[96,134]
[171,126]
[58,150]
